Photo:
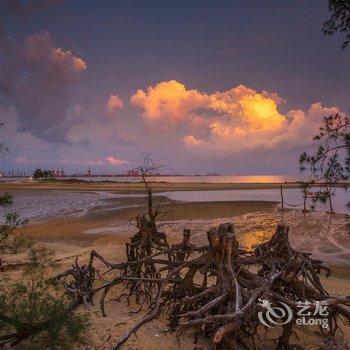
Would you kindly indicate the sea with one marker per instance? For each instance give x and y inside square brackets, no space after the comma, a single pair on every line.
[183,178]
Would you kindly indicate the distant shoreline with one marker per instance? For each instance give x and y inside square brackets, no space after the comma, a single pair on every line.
[81,185]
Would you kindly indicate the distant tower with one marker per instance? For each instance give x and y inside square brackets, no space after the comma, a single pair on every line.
[62,172]
[89,171]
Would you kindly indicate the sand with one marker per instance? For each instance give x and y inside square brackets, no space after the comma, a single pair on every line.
[106,228]
[138,187]
[129,187]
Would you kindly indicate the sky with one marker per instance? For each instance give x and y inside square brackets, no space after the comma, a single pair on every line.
[235,87]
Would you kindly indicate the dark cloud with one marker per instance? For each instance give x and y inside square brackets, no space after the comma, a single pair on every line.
[36,78]
[21,9]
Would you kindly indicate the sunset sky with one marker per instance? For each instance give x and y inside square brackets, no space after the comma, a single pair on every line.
[209,86]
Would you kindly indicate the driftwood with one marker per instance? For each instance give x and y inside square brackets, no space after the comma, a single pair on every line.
[78,281]
[218,289]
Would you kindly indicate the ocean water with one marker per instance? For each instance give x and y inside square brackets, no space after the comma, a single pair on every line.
[183,179]
[202,179]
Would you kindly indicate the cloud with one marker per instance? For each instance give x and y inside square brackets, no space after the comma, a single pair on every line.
[191,141]
[302,125]
[21,10]
[199,131]
[36,79]
[168,101]
[96,162]
[114,103]
[24,159]
[115,161]
[171,103]
[230,121]
[91,130]
[80,162]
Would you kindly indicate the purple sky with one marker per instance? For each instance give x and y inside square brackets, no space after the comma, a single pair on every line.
[229,86]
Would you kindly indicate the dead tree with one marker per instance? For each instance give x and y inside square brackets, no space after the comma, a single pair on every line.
[146,168]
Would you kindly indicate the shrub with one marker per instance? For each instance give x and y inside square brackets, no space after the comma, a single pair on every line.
[33,311]
[8,239]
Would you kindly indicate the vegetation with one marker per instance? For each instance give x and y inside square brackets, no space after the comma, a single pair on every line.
[305,189]
[33,312]
[339,21]
[9,240]
[146,168]
[330,164]
[40,174]
[32,309]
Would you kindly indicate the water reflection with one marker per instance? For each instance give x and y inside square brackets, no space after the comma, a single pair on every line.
[292,197]
[184,179]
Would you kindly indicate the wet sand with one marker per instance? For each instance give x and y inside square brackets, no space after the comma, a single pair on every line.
[130,187]
[112,220]
[106,228]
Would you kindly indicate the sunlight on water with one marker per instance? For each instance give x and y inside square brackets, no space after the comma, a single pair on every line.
[184,179]
[250,240]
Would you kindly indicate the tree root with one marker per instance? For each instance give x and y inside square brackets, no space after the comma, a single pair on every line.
[217,289]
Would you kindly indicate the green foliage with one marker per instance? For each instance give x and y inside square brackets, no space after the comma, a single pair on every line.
[38,174]
[42,174]
[6,200]
[305,188]
[34,308]
[8,240]
[11,221]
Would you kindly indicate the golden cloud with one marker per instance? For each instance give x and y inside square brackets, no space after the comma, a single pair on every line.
[232,120]
[168,100]
[191,141]
[171,102]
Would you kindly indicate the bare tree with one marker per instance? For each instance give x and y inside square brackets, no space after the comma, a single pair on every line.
[148,167]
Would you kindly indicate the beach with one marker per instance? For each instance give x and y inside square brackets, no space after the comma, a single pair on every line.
[104,223]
